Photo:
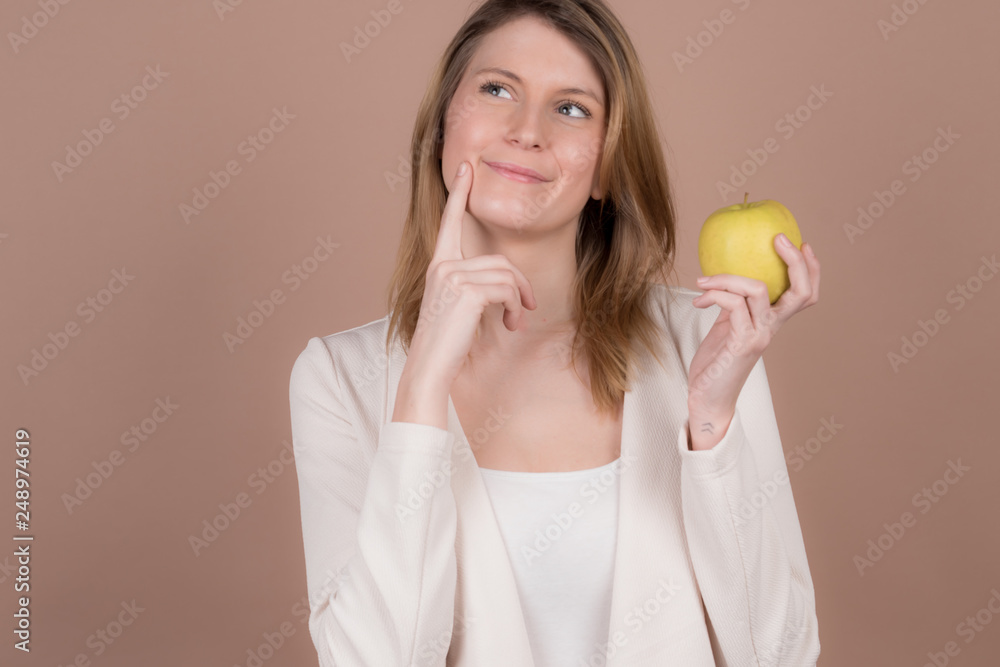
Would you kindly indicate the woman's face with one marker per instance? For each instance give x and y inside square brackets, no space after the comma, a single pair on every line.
[530,121]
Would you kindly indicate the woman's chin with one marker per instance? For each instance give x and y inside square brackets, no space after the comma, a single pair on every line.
[510,220]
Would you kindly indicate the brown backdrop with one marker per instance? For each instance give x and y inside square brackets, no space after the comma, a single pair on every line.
[124,305]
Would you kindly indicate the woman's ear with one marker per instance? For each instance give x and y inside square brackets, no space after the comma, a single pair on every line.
[439,142]
[596,192]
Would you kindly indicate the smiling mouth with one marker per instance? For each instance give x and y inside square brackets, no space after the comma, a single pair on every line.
[514,176]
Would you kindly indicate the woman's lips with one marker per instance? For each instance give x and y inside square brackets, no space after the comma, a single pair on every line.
[513,175]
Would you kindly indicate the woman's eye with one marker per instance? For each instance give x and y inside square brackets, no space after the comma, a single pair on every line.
[585,114]
[490,85]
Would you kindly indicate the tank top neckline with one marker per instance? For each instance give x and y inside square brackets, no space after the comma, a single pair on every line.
[561,474]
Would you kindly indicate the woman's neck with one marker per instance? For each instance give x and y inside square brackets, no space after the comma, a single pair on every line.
[548,261]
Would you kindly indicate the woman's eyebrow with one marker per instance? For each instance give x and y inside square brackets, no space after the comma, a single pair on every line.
[569,91]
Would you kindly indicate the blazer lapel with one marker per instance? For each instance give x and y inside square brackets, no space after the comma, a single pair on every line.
[489,624]
[657,616]
[489,627]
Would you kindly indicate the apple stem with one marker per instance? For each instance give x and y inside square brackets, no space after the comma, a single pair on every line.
[746,195]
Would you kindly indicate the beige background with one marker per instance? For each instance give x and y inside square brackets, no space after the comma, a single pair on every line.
[327,174]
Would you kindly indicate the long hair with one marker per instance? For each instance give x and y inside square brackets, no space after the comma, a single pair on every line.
[625,241]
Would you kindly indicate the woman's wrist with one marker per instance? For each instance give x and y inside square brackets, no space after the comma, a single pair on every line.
[421,400]
[706,428]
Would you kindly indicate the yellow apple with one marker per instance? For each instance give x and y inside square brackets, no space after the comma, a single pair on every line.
[739,240]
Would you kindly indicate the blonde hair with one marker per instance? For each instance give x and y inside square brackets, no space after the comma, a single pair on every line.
[625,241]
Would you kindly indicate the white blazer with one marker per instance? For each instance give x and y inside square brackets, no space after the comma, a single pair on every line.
[406,566]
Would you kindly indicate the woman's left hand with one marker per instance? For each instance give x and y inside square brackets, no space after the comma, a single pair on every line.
[739,336]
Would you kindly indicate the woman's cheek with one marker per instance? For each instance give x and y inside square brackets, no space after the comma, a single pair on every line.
[581,161]
[586,158]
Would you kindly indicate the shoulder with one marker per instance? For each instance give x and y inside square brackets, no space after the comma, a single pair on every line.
[332,359]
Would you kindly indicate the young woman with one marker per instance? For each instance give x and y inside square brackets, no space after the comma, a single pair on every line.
[501,471]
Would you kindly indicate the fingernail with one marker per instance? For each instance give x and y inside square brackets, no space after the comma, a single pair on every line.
[702,280]
[784,241]
[462,168]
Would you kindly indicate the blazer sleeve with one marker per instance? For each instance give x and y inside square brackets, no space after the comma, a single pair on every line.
[746,544]
[378,530]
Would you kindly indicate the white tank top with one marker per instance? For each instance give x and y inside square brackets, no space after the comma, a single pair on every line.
[560,530]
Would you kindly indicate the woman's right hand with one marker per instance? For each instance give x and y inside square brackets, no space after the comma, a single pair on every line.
[456,292]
